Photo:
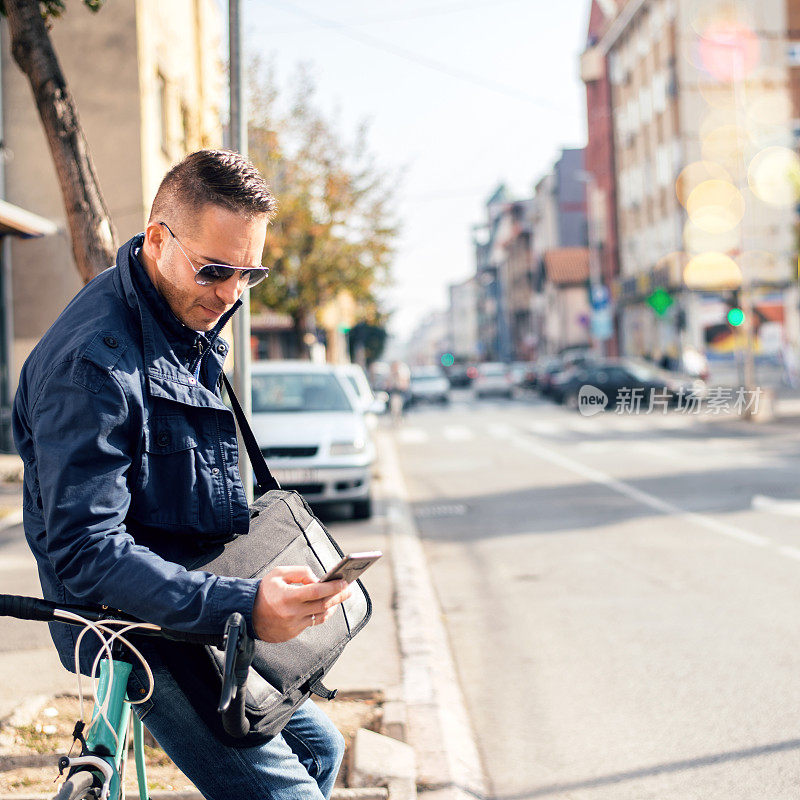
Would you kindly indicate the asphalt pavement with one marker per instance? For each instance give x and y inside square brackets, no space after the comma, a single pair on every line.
[620,594]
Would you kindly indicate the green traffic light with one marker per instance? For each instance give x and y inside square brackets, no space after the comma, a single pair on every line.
[448,359]
[736,317]
[660,301]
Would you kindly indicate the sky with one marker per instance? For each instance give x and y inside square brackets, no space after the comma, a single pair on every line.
[460,95]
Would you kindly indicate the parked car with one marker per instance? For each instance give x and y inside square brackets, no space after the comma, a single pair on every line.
[554,369]
[308,423]
[459,376]
[370,404]
[493,378]
[613,375]
[428,385]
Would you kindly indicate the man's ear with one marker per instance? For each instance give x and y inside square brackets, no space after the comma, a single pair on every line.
[155,239]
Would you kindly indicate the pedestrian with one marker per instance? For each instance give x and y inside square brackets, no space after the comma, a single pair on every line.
[399,383]
[130,461]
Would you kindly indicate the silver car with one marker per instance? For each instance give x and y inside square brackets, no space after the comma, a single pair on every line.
[310,427]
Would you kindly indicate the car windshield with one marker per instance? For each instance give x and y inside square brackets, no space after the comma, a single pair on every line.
[298,392]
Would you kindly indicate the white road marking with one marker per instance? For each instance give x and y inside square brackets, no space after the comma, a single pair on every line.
[790,552]
[457,433]
[413,436]
[623,488]
[789,508]
[500,430]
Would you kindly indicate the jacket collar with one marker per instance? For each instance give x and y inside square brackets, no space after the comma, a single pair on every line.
[171,350]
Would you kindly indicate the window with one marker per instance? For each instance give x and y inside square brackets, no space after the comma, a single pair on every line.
[659,92]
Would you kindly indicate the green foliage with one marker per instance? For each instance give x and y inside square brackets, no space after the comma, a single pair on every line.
[370,337]
[334,229]
[55,8]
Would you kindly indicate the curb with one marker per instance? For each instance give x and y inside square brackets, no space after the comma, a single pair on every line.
[439,728]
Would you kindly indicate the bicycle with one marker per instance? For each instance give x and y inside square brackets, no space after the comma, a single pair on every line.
[98,772]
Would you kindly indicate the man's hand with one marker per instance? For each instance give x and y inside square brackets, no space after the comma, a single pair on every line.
[291,599]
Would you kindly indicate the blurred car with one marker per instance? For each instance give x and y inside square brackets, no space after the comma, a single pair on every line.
[493,378]
[308,423]
[371,404]
[521,374]
[428,385]
[555,368]
[613,375]
[459,376]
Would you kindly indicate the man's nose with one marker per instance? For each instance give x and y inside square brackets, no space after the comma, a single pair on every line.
[230,291]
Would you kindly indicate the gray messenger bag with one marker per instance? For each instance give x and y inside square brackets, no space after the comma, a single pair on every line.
[283,532]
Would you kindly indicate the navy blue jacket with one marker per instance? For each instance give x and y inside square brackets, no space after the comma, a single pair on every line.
[130,460]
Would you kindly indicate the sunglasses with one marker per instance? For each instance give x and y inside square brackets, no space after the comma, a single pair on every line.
[210,274]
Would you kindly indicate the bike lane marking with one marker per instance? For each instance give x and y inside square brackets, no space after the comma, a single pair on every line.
[631,492]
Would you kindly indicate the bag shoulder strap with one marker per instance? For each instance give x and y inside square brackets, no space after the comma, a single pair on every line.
[264,477]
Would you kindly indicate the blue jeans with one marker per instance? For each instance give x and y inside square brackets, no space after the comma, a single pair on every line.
[300,764]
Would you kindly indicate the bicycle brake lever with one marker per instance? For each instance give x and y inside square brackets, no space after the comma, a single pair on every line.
[238,655]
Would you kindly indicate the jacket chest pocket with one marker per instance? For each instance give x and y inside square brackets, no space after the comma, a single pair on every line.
[167,490]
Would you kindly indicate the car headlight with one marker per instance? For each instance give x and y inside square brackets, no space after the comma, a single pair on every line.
[348,448]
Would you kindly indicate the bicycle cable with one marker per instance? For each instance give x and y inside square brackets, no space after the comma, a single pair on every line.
[99,629]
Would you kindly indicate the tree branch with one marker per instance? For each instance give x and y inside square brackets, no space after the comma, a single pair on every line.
[91,230]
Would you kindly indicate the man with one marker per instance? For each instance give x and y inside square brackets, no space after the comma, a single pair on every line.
[131,468]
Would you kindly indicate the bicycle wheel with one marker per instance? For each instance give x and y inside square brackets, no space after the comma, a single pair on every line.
[78,787]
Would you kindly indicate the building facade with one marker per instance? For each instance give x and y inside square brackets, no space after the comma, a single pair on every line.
[462,320]
[703,132]
[147,81]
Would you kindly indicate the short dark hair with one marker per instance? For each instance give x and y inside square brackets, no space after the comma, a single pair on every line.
[217,177]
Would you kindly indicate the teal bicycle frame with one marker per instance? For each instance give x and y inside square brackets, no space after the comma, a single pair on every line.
[101,739]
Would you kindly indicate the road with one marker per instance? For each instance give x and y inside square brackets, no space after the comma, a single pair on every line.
[621,595]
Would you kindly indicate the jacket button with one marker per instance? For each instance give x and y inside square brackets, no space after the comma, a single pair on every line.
[111,341]
[221,349]
[163,439]
[215,471]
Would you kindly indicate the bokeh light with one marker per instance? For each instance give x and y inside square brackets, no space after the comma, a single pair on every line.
[726,145]
[729,49]
[696,240]
[718,95]
[774,176]
[692,175]
[712,272]
[715,206]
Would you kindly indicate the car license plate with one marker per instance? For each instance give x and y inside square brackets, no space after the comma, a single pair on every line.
[293,476]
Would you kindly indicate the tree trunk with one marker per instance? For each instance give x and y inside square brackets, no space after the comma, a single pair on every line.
[92,233]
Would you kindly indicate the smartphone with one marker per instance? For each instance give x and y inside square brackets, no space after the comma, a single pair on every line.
[351,566]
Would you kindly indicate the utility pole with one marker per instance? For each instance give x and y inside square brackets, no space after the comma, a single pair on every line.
[241,320]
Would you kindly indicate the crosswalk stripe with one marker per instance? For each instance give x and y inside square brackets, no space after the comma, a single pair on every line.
[458,433]
[413,436]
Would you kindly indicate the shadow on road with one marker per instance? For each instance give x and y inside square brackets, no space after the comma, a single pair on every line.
[555,789]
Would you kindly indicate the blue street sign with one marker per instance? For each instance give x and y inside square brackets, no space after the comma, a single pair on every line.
[602,324]
[599,297]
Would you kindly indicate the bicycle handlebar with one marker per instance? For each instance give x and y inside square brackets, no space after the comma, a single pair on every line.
[34,608]
[238,645]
